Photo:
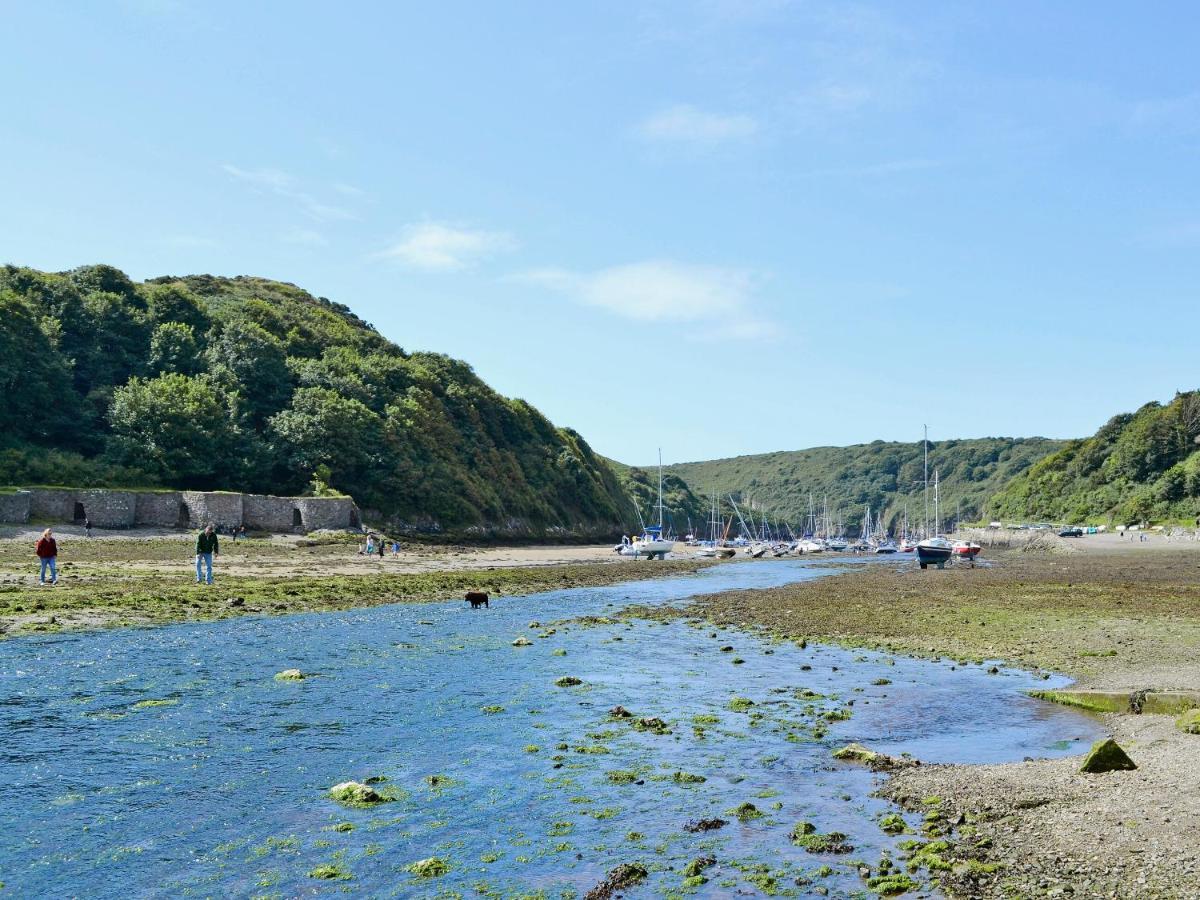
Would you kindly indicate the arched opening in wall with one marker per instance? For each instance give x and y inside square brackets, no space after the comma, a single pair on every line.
[80,513]
[355,522]
[297,519]
[184,519]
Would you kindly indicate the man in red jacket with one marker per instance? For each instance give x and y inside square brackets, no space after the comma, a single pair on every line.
[47,551]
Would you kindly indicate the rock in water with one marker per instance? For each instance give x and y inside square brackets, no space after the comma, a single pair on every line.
[289,675]
[1106,756]
[857,753]
[354,793]
[1189,722]
[522,642]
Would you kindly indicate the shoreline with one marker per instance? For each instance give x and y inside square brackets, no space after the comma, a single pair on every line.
[1117,621]
[107,582]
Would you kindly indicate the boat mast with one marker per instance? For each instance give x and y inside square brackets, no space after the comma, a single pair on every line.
[660,503]
[937,517]
[925,527]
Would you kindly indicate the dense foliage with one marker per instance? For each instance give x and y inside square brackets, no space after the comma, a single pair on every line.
[1139,467]
[887,476]
[249,384]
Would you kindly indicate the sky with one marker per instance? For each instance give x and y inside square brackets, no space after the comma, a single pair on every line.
[713,227]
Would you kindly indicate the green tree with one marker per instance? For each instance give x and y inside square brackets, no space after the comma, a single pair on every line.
[323,428]
[173,349]
[36,401]
[250,363]
[174,426]
[175,303]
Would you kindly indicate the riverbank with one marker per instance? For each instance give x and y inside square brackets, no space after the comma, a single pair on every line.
[1117,621]
[140,578]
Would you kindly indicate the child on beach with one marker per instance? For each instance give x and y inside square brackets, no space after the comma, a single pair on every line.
[47,552]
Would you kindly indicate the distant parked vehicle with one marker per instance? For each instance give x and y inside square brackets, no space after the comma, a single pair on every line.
[1071,532]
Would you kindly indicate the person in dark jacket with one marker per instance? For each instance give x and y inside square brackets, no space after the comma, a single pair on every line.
[47,552]
[206,546]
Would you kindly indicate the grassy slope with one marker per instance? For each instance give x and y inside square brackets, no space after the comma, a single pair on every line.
[1139,466]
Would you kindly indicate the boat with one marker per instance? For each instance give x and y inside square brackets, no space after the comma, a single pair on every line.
[651,544]
[934,551]
[907,546]
[967,550]
[886,547]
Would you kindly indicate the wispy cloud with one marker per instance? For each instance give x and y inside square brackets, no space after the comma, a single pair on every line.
[688,124]
[281,184]
[438,246]
[712,300]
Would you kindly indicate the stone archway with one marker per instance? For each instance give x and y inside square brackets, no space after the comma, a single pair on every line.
[297,518]
[184,518]
[80,514]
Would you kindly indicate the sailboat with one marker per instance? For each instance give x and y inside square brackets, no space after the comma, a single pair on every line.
[933,550]
[652,543]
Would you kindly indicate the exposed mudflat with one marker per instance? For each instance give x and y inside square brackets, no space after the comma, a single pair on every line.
[1119,618]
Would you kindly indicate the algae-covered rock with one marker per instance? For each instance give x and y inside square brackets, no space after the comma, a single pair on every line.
[355,793]
[698,865]
[1106,756]
[432,867]
[805,835]
[623,876]
[567,681]
[746,811]
[892,884]
[702,825]
[329,873]
[290,675]
[688,778]
[1189,722]
[740,704]
[856,753]
[522,641]
[653,724]
[620,712]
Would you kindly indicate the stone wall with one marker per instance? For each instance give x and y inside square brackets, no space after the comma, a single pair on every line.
[108,509]
[52,505]
[162,510]
[180,509]
[211,508]
[268,513]
[15,507]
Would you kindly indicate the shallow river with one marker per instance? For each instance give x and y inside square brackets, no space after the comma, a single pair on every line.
[217,785]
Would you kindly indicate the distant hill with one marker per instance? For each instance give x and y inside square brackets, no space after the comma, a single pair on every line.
[885,475]
[1142,466]
[256,385]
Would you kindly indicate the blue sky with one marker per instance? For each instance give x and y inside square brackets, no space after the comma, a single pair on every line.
[715,227]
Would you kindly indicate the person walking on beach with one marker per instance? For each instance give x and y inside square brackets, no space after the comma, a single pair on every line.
[47,552]
[87,527]
[380,548]
[206,546]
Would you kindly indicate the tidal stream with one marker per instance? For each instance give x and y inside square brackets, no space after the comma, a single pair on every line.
[171,762]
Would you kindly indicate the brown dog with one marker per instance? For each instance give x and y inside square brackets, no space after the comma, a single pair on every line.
[477,599]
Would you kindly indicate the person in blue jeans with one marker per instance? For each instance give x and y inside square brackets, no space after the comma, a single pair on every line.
[47,551]
[207,546]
